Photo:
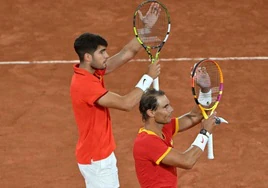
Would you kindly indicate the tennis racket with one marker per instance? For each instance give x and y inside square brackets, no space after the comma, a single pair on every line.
[151,24]
[208,75]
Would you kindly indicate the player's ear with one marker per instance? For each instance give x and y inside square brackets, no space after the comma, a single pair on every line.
[150,113]
[87,57]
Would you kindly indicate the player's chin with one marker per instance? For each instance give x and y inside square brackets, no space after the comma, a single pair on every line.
[168,120]
[103,67]
[169,117]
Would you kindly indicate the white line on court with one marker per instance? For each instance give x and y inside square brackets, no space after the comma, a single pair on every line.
[140,60]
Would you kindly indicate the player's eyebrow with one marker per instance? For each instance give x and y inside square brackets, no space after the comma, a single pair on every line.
[166,105]
[103,49]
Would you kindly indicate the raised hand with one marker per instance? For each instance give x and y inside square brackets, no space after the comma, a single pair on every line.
[209,123]
[202,79]
[154,69]
[151,16]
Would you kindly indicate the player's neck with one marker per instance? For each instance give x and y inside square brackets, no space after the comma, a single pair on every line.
[154,128]
[86,67]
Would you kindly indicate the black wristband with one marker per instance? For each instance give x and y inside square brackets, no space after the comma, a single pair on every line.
[204,132]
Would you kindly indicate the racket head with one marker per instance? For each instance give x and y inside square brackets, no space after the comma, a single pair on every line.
[210,72]
[155,33]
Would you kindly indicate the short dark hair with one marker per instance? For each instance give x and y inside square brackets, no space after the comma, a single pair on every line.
[88,43]
[149,101]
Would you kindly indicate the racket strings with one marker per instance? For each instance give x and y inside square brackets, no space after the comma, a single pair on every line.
[214,81]
[154,36]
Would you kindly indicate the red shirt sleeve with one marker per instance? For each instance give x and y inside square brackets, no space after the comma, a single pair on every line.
[152,148]
[93,87]
[93,92]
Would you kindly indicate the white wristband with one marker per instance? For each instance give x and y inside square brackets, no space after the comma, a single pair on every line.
[200,141]
[205,98]
[145,82]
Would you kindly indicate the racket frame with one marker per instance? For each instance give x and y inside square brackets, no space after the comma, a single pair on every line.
[211,109]
[148,48]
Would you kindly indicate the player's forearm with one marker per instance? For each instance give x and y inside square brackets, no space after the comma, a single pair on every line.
[190,119]
[126,54]
[132,99]
[133,47]
[185,160]
[196,114]
[192,155]
[130,50]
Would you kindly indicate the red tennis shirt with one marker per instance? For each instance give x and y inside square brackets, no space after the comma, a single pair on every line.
[148,151]
[95,139]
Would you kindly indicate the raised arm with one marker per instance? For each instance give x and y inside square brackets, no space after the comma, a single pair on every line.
[195,116]
[190,119]
[126,54]
[187,159]
[132,48]
[128,101]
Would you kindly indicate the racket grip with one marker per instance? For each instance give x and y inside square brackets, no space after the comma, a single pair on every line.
[210,147]
[156,83]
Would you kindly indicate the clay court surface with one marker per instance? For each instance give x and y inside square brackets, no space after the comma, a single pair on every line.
[37,129]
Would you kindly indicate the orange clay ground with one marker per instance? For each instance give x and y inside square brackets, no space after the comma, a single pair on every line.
[37,129]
